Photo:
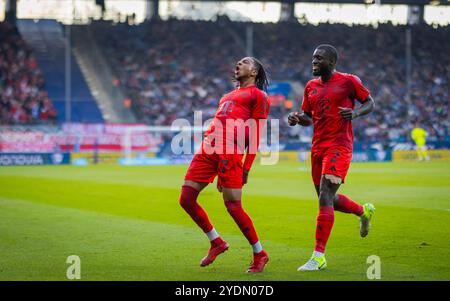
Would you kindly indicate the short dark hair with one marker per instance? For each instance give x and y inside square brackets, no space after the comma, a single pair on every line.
[329,50]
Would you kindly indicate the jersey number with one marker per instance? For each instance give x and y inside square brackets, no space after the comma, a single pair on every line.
[227,107]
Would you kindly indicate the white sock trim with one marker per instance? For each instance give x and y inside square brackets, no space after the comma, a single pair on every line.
[318,254]
[257,247]
[212,234]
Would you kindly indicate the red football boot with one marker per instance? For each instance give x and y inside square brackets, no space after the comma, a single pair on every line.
[218,246]
[259,261]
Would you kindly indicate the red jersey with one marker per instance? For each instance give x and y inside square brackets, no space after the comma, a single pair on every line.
[240,104]
[323,100]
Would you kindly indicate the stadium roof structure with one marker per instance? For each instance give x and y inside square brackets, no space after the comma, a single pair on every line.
[389,2]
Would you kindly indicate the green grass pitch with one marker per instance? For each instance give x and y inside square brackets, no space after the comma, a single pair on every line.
[125,223]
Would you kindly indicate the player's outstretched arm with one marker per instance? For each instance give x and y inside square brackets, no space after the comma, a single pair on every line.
[367,107]
[304,119]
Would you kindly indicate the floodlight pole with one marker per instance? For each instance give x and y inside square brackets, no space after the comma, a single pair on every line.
[249,39]
[11,11]
[68,76]
[152,10]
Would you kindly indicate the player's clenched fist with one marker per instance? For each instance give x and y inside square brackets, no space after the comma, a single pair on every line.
[302,119]
[347,113]
[293,118]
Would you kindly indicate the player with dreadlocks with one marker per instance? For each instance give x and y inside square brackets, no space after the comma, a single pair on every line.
[222,154]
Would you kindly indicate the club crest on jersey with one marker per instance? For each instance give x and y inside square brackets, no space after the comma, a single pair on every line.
[313,92]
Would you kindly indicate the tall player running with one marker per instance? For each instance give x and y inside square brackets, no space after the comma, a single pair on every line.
[248,101]
[329,104]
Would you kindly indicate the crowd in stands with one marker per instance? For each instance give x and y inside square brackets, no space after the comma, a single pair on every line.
[23,99]
[377,56]
[171,68]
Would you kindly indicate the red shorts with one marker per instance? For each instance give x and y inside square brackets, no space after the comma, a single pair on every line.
[228,167]
[332,161]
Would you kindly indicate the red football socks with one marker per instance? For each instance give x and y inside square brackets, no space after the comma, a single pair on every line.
[242,220]
[188,200]
[325,221]
[344,204]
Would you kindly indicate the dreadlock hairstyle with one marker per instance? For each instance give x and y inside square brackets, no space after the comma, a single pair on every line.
[261,78]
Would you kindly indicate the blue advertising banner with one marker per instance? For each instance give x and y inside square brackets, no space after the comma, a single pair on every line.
[11,159]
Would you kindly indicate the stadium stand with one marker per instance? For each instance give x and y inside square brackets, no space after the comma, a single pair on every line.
[170,68]
[23,98]
[166,68]
[46,39]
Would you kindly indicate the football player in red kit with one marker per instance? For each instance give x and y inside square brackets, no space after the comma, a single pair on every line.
[329,105]
[221,154]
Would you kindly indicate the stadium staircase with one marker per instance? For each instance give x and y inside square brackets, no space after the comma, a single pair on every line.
[99,76]
[47,41]
[296,91]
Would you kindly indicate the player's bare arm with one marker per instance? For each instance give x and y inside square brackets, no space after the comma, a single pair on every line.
[245,177]
[367,107]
